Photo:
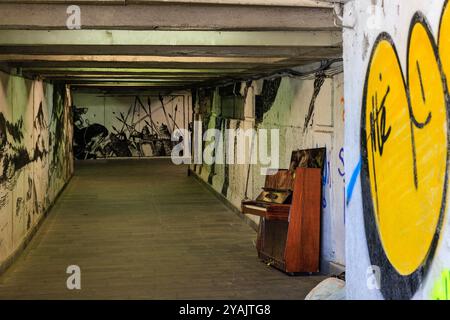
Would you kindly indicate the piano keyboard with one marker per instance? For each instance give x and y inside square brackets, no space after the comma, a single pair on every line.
[256,207]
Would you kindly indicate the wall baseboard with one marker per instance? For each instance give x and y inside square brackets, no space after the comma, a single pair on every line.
[5,265]
[224,200]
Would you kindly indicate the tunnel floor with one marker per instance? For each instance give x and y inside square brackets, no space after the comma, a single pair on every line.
[143,229]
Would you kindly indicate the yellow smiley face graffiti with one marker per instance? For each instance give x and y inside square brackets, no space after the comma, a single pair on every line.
[405,151]
[444,42]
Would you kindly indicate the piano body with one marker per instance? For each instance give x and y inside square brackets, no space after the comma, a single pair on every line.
[289,229]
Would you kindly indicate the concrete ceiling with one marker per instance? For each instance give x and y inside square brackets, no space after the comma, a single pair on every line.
[165,44]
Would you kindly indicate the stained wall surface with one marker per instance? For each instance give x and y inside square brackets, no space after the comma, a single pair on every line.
[35,155]
[397,67]
[107,126]
[309,113]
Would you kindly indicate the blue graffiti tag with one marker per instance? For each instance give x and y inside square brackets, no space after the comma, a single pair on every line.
[326,181]
[352,182]
[341,157]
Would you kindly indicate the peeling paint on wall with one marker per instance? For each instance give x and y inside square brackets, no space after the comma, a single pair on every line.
[318,82]
[264,101]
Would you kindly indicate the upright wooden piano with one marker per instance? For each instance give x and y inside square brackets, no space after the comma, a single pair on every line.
[289,230]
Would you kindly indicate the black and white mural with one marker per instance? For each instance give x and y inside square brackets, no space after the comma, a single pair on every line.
[127,126]
[35,154]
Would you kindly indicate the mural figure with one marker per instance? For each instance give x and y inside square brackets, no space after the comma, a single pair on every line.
[137,136]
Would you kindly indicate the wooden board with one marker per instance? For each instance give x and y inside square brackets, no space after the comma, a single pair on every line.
[303,238]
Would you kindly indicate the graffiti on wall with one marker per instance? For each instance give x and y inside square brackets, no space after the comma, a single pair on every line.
[141,130]
[404,146]
[264,101]
[441,289]
[35,156]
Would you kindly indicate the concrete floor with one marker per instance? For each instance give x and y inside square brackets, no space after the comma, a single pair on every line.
[143,229]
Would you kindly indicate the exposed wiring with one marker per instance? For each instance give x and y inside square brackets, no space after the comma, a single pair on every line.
[326,67]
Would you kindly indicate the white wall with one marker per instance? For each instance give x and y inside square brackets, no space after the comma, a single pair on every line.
[400,243]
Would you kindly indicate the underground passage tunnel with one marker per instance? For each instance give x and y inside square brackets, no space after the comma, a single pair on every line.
[171,150]
[224,149]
